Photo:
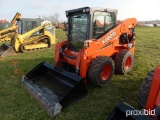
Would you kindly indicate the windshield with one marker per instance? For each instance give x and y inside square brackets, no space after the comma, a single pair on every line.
[26,26]
[29,25]
[78,31]
[102,23]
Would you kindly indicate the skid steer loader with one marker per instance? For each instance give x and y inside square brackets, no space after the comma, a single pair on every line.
[32,34]
[148,101]
[95,47]
[8,29]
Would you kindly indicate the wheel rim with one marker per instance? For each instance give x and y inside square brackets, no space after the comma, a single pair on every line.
[106,71]
[128,62]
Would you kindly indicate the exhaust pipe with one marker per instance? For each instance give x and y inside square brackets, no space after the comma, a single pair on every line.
[54,88]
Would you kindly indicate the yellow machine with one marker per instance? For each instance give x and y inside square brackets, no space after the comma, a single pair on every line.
[8,29]
[32,34]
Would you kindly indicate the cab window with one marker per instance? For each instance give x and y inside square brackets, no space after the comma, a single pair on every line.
[29,25]
[102,22]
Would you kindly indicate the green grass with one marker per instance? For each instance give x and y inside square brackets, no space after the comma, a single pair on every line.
[17,103]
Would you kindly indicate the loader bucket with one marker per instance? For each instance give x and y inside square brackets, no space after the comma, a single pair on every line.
[123,111]
[54,88]
[6,50]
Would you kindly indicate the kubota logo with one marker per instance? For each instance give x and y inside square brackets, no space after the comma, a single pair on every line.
[109,37]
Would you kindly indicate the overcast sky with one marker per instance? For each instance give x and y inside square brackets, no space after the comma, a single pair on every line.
[140,9]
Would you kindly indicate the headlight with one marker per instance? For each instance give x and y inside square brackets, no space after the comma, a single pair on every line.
[87,9]
[84,10]
[86,44]
[130,45]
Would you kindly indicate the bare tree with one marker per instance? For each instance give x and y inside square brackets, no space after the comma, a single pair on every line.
[51,19]
[44,17]
[56,16]
[54,19]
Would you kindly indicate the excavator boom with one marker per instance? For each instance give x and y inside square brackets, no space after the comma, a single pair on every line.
[7,33]
[14,20]
[8,30]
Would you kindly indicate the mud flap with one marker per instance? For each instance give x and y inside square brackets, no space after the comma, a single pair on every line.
[123,111]
[6,50]
[54,88]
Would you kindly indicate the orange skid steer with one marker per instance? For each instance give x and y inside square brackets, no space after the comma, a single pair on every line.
[96,46]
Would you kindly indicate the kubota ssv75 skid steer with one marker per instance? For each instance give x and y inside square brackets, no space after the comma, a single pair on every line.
[7,29]
[32,34]
[95,47]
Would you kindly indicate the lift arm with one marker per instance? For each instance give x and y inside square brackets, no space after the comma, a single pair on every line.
[14,20]
[7,30]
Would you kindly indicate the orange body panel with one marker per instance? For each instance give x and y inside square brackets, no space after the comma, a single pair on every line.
[154,93]
[107,45]
[158,99]
[57,50]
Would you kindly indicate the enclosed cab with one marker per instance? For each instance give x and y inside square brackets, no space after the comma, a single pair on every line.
[27,24]
[88,23]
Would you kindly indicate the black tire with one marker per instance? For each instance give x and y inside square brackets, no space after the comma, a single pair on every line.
[121,61]
[21,48]
[97,70]
[144,90]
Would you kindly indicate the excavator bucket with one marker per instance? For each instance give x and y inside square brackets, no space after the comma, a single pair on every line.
[54,88]
[123,111]
[6,50]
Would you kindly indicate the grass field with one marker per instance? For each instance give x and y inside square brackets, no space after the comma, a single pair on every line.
[17,104]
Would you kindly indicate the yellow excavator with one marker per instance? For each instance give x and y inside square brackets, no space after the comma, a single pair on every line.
[8,29]
[32,34]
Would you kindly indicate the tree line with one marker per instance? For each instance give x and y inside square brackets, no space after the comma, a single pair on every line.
[54,19]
